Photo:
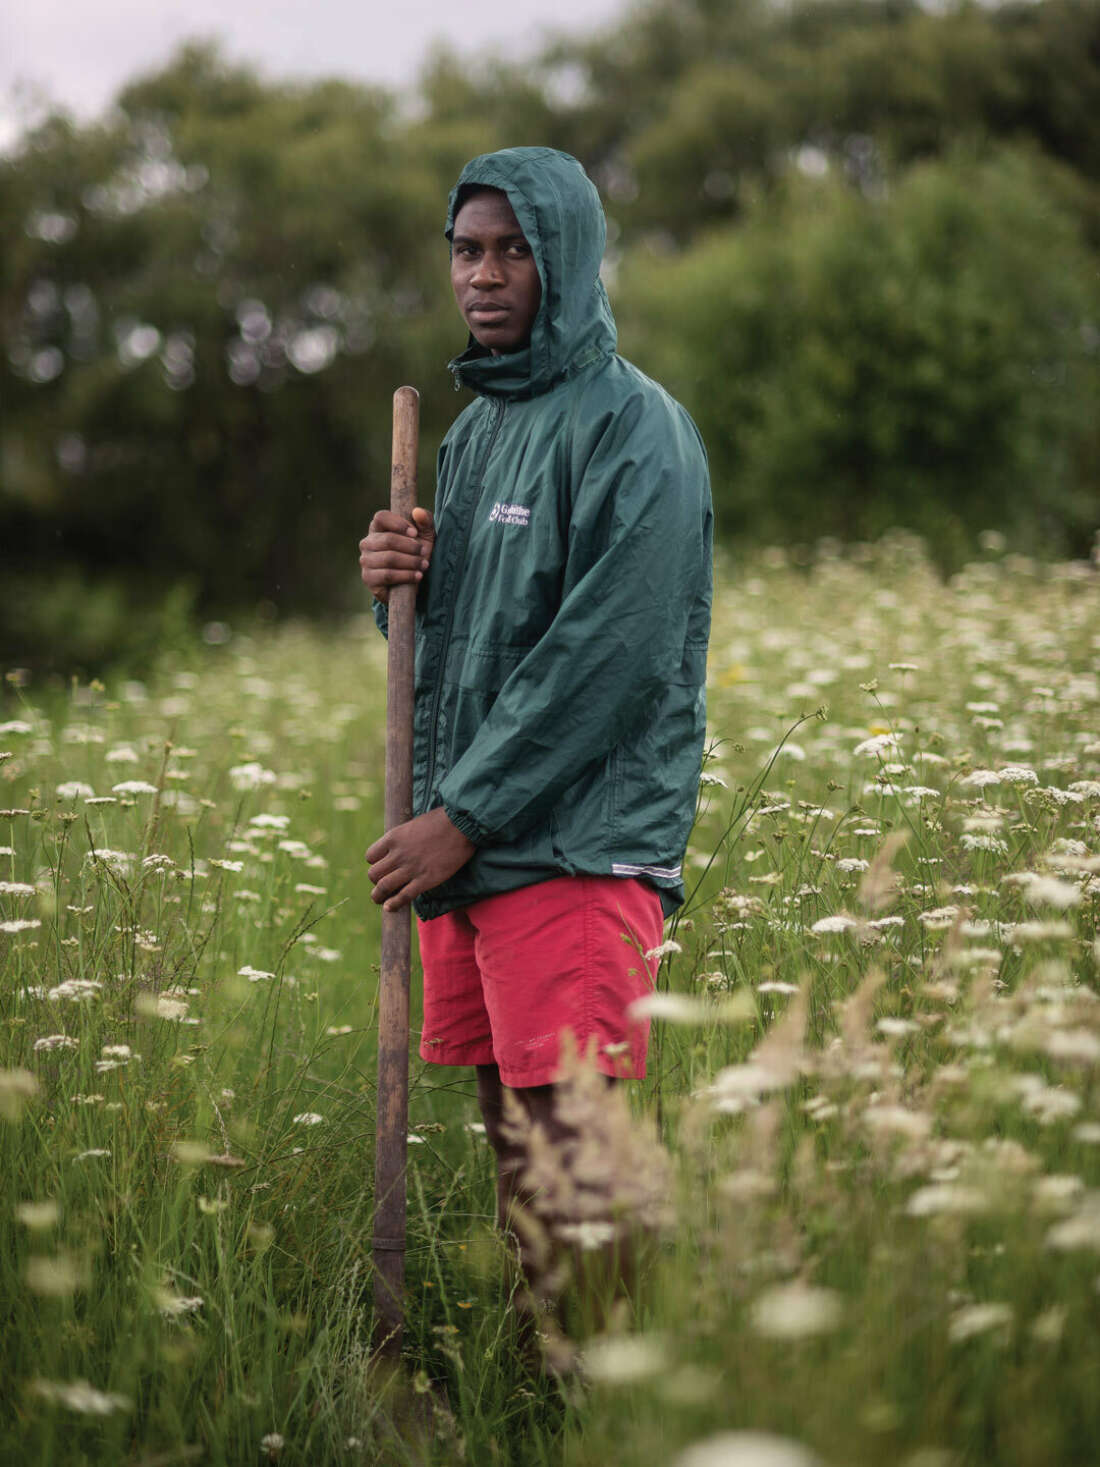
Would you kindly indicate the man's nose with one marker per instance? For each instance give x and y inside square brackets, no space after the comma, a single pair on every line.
[488,271]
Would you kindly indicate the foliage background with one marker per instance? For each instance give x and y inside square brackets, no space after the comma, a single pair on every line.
[859,241]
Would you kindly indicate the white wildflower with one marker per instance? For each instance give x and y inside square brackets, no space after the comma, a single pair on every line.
[118,861]
[311,1118]
[50,1042]
[674,1008]
[1018,774]
[175,1306]
[1059,796]
[251,776]
[1049,1326]
[588,1235]
[895,1028]
[898,1121]
[1058,1192]
[840,922]
[1079,1231]
[162,1006]
[737,1087]
[1020,932]
[937,919]
[254,975]
[976,957]
[979,1319]
[655,954]
[134,787]
[975,841]
[795,1310]
[746,1449]
[980,779]
[1076,1046]
[75,989]
[16,1088]
[624,1359]
[20,924]
[946,1197]
[1047,1102]
[75,789]
[79,1396]
[1047,891]
[121,754]
[878,745]
[38,1216]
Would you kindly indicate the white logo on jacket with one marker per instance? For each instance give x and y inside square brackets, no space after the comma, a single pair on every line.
[509,514]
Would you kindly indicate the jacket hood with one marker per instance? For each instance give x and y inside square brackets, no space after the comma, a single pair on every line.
[562,218]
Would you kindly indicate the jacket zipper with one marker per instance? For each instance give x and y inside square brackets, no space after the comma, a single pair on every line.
[460,563]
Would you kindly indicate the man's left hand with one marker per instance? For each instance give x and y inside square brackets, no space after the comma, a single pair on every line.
[414,857]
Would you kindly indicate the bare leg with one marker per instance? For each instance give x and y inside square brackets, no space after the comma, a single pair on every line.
[599,1275]
[538,1101]
[490,1097]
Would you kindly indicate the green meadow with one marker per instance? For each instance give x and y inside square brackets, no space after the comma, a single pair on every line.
[871,1115]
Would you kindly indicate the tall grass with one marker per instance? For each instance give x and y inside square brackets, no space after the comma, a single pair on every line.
[873,1062]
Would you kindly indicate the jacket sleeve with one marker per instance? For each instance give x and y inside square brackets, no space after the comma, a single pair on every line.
[638,564]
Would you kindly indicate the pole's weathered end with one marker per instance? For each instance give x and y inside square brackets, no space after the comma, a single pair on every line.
[392,1108]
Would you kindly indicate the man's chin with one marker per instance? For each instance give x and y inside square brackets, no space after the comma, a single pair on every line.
[499,343]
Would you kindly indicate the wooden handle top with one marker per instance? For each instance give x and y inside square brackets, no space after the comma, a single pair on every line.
[406,434]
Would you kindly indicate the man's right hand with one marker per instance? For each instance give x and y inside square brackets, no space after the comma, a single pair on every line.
[394,552]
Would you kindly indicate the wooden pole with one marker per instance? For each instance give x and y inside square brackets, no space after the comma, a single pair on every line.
[392,1112]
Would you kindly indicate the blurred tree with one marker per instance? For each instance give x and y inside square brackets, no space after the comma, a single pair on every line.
[930,359]
[206,312]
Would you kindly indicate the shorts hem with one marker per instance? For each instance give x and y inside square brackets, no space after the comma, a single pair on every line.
[442,1053]
[550,1074]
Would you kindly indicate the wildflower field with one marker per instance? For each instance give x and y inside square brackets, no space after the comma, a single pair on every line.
[872,1112]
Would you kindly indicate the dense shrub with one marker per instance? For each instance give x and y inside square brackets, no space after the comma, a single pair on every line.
[925,358]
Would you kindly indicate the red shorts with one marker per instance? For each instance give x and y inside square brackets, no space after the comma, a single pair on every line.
[505,976]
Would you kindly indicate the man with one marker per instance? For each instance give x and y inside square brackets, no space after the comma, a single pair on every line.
[563,610]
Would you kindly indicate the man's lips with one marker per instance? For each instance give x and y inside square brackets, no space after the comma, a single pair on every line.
[487,309]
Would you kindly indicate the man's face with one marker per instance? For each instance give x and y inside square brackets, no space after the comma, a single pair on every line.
[493,273]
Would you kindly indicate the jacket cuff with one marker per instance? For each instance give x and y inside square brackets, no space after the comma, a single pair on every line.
[467,825]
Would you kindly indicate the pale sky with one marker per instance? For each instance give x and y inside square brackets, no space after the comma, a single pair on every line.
[78,52]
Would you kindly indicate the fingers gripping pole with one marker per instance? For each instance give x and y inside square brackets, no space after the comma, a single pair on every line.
[392,1119]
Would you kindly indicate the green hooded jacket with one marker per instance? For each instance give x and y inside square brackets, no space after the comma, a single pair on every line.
[562,626]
